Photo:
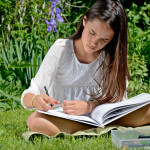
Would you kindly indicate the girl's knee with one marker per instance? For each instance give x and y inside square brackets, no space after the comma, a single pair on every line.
[39,123]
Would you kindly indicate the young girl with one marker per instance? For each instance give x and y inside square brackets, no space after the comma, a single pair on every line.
[81,72]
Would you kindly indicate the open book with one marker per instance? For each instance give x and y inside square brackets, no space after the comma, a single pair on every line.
[105,113]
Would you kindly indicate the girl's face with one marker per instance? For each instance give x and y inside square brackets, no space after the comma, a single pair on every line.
[96,34]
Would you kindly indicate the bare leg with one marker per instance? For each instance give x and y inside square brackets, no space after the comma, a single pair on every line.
[51,125]
[137,118]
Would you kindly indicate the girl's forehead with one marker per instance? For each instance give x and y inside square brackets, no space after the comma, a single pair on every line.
[96,21]
[101,28]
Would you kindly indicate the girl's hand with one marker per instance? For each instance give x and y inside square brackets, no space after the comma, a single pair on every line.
[77,107]
[41,102]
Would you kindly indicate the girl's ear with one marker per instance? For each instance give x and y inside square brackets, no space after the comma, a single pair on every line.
[84,20]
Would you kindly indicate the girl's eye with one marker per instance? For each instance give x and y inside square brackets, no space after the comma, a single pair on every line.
[92,33]
[104,40]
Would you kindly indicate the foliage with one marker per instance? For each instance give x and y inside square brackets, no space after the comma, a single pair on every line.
[138,73]
[24,41]
[139,48]
[6,7]
[23,46]
[127,3]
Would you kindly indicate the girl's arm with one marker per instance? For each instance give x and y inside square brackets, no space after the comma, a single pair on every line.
[44,77]
[27,100]
[40,102]
[91,105]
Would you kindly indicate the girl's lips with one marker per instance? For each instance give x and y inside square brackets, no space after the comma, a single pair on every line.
[91,47]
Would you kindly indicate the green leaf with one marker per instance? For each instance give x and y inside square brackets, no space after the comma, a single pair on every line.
[18,51]
[20,64]
[5,60]
[4,105]
[9,96]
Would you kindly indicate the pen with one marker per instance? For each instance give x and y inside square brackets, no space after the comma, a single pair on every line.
[47,93]
[46,90]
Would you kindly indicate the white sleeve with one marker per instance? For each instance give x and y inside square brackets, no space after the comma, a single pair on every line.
[47,71]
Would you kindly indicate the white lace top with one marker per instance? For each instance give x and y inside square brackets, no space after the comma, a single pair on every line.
[64,76]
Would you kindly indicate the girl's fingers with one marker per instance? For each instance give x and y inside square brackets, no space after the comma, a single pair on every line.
[56,102]
[68,111]
[46,103]
[48,100]
[71,112]
[69,107]
[40,104]
[75,107]
[68,103]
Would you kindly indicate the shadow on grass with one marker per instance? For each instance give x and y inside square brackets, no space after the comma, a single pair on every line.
[37,136]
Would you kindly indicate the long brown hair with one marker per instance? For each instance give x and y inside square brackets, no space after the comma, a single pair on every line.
[113,83]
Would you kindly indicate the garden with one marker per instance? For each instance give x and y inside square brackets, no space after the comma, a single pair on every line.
[28,28]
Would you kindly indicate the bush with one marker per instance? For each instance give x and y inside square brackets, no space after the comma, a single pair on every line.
[24,41]
[138,48]
[23,45]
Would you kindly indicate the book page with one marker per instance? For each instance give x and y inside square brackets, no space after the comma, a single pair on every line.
[111,118]
[58,112]
[107,113]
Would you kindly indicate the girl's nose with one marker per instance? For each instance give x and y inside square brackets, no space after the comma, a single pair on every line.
[93,43]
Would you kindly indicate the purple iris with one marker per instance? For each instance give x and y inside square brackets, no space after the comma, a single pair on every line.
[55,29]
[52,13]
[59,4]
[55,14]
[53,4]
[51,24]
[57,11]
[59,18]
[49,28]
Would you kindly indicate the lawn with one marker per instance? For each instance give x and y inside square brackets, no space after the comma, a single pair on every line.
[13,124]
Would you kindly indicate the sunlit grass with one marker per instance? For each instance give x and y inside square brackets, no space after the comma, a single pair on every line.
[13,125]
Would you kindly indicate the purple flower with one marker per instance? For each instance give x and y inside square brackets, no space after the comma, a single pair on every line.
[52,22]
[47,22]
[59,18]
[55,15]
[59,4]
[57,11]
[53,4]
[49,28]
[55,29]
[52,13]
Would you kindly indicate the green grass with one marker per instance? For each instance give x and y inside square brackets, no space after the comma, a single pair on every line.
[13,125]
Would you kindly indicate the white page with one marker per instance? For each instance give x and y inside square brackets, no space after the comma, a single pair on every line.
[58,112]
[109,120]
[100,111]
